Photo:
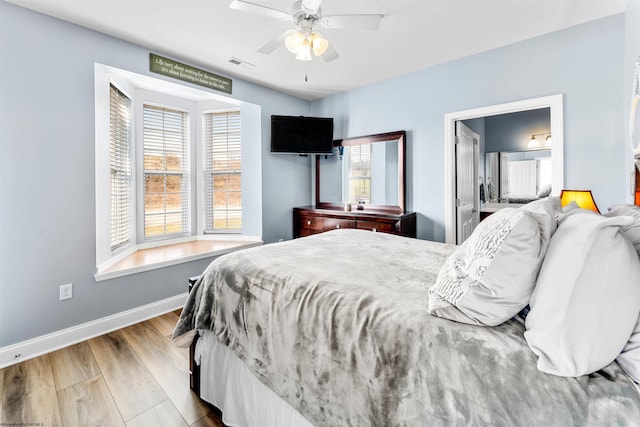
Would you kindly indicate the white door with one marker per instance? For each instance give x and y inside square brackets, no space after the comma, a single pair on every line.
[467,187]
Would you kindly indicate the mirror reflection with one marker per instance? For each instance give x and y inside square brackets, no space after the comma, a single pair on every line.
[517,176]
[515,160]
[365,173]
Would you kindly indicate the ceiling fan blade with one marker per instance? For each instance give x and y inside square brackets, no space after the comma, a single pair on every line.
[330,54]
[275,43]
[245,6]
[362,22]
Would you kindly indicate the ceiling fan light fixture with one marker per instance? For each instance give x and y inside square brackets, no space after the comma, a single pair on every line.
[294,42]
[305,52]
[319,44]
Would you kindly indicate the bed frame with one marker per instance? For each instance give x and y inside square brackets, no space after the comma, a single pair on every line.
[194,369]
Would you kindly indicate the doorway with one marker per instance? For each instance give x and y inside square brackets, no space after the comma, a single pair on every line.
[555,105]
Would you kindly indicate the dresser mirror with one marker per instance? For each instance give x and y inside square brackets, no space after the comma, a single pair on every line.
[366,173]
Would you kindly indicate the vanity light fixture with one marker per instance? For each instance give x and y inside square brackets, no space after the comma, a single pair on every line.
[583,198]
[535,143]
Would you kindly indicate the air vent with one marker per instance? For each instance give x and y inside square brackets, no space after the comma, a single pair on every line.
[241,63]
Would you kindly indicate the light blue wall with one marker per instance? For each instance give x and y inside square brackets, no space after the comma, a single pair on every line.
[47,214]
[585,63]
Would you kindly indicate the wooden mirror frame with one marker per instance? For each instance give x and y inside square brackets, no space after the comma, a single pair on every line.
[401,137]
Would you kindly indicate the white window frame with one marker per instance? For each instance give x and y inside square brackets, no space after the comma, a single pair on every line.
[130,237]
[204,154]
[144,97]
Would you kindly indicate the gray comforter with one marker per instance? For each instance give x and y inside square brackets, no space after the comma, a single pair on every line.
[337,325]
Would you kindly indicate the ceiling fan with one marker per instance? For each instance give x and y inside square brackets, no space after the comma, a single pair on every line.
[306,14]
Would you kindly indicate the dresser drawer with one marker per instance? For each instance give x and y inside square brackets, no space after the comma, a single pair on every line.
[382,227]
[311,223]
[335,223]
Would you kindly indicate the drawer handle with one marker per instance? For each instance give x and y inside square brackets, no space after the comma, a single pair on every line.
[374,229]
[338,226]
[308,222]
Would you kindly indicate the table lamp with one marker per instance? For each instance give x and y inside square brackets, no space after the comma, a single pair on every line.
[583,198]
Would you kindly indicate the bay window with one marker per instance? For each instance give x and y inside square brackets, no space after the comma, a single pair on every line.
[173,166]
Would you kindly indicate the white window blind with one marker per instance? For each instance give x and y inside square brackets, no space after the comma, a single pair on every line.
[120,165]
[222,172]
[360,173]
[166,172]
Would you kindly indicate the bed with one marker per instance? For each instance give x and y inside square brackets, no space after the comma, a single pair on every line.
[341,328]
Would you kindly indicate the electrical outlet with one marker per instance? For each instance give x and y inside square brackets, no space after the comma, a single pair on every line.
[66,291]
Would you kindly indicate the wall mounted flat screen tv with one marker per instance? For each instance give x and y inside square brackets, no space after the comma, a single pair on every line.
[301,135]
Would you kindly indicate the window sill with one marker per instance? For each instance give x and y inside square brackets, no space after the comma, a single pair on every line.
[173,254]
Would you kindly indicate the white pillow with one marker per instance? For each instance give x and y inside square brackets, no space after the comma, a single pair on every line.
[489,278]
[632,231]
[544,191]
[629,359]
[543,212]
[573,209]
[587,297]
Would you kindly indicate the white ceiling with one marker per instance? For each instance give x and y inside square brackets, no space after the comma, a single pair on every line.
[414,34]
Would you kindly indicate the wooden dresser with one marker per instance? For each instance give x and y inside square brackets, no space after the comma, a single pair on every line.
[308,220]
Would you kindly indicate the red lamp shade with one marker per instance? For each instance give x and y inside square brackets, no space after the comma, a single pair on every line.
[583,199]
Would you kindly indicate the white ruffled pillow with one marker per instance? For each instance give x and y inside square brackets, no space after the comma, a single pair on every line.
[587,297]
[490,276]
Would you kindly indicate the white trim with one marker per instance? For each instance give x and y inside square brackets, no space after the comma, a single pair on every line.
[117,258]
[554,102]
[38,346]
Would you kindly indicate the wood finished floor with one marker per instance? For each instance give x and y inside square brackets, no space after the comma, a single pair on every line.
[131,377]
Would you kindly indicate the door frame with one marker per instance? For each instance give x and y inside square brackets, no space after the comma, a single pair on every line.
[553,102]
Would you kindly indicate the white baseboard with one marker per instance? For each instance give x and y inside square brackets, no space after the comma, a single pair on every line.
[35,347]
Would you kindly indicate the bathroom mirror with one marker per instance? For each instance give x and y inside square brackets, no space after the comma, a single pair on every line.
[366,172]
[517,176]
